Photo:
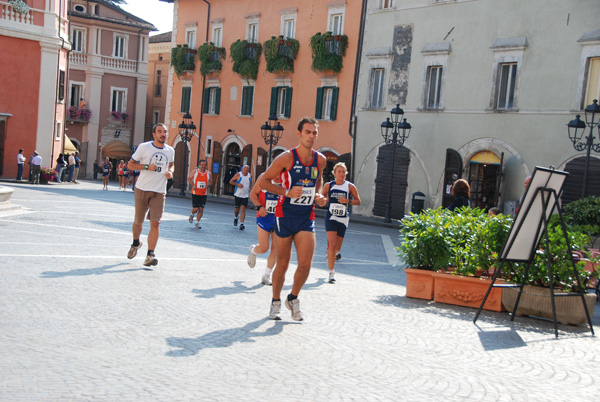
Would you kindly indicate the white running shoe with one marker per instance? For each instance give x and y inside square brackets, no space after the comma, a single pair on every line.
[251,257]
[294,307]
[198,225]
[191,218]
[150,261]
[266,280]
[133,250]
[275,311]
[331,276]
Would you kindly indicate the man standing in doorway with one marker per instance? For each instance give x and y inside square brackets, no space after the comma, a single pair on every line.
[200,179]
[155,160]
[300,170]
[242,182]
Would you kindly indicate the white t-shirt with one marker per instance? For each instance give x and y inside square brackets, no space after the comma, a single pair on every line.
[148,154]
[20,159]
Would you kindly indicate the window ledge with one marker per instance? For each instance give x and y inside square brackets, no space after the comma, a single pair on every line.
[245,116]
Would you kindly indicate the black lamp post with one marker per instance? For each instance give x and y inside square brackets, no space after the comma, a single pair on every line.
[186,131]
[400,132]
[271,132]
[576,129]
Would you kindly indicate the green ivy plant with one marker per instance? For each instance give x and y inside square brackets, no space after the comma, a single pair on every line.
[210,57]
[246,58]
[328,51]
[280,54]
[182,59]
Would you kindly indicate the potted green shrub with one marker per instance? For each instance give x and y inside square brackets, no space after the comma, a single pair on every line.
[183,59]
[328,51]
[280,54]
[246,58]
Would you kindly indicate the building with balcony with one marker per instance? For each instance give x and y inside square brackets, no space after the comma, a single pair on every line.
[488,88]
[238,62]
[159,58]
[34,39]
[107,81]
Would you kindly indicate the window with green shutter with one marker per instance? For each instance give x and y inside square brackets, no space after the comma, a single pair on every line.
[186,96]
[327,99]
[247,100]
[212,100]
[281,102]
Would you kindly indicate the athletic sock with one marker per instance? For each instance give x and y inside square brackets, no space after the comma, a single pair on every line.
[268,271]
[274,300]
[291,297]
[136,242]
[150,252]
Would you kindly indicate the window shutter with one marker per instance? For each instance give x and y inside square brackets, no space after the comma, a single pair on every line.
[319,107]
[288,101]
[273,107]
[206,106]
[247,96]
[334,100]
[217,100]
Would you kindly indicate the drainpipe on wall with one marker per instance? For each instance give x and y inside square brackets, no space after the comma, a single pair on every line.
[203,88]
[353,118]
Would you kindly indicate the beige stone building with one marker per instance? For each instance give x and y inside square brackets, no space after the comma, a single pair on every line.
[488,87]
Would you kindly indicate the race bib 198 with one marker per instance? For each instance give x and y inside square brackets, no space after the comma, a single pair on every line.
[337,209]
[307,198]
[201,184]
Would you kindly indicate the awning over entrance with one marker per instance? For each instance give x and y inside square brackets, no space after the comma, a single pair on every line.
[69,147]
[331,157]
[116,150]
[485,158]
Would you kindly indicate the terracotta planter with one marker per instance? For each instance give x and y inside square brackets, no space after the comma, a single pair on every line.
[419,283]
[536,301]
[466,291]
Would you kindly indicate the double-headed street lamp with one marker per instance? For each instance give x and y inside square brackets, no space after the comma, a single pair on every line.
[400,130]
[186,131]
[271,132]
[577,128]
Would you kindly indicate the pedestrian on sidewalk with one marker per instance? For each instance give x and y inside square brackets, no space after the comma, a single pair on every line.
[155,161]
[76,169]
[200,179]
[300,170]
[60,165]
[71,168]
[36,166]
[20,164]
[96,168]
[243,183]
[340,194]
[265,220]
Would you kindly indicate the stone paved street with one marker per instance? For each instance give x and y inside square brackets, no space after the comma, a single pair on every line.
[81,322]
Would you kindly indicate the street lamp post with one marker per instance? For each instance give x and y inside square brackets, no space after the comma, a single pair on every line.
[400,130]
[186,131]
[271,132]
[577,128]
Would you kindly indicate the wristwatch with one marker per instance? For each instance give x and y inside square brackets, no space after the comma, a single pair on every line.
[145,167]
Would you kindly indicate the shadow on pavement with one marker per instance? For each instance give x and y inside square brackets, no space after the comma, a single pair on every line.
[88,271]
[499,319]
[223,338]
[237,288]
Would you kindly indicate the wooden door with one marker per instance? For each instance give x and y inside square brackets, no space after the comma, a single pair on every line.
[178,173]
[217,167]
[400,181]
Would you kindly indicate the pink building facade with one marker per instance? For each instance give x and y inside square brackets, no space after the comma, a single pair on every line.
[229,108]
[107,81]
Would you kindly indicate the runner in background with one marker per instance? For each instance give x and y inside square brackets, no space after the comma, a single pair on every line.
[338,194]
[200,179]
[265,220]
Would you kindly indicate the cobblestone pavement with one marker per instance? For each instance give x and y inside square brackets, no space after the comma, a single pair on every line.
[80,322]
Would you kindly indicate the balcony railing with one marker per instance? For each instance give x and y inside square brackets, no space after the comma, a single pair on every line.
[110,63]
[78,58]
[9,14]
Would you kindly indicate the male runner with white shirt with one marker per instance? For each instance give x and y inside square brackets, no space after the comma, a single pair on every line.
[154,160]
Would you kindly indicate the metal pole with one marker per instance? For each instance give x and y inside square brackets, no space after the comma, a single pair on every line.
[270,148]
[388,207]
[184,171]
[590,141]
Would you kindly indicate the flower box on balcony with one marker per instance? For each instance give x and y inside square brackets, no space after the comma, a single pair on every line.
[79,115]
[117,116]
[210,57]
[19,6]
